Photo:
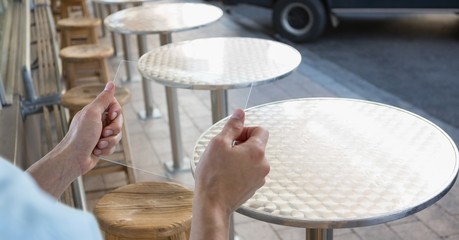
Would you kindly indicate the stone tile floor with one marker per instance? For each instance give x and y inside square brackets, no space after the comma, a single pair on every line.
[150,144]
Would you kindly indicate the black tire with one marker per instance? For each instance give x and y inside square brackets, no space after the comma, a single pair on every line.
[299,20]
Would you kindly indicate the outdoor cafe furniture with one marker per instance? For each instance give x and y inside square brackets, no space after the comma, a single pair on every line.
[112,6]
[146,210]
[215,64]
[344,163]
[162,19]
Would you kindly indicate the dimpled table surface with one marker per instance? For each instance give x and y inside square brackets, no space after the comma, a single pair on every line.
[339,163]
[121,1]
[219,63]
[162,17]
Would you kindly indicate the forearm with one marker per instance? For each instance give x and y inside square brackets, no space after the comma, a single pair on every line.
[54,172]
[210,221]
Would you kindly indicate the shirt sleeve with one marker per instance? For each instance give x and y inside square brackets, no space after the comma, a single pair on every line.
[27,212]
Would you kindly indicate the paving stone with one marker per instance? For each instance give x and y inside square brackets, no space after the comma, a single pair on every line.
[439,221]
[377,232]
[349,236]
[292,233]
[256,230]
[414,231]
[450,202]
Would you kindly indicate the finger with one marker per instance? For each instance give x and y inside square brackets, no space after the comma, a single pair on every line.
[258,136]
[235,125]
[114,127]
[114,110]
[104,152]
[108,142]
[105,98]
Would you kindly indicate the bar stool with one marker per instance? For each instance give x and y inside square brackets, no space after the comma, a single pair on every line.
[78,30]
[67,5]
[90,59]
[147,210]
[75,99]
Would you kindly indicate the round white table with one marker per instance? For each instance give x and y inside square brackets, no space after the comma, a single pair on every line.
[217,64]
[112,6]
[162,19]
[339,163]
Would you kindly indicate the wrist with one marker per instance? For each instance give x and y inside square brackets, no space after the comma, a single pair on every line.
[210,217]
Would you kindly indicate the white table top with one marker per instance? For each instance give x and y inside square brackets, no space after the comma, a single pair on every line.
[345,163]
[219,63]
[121,1]
[162,18]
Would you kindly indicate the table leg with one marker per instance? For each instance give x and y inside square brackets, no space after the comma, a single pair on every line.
[179,163]
[101,15]
[319,234]
[79,196]
[165,38]
[95,9]
[219,104]
[129,58]
[150,111]
[113,36]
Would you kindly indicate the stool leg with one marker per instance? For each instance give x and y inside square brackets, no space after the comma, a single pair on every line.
[127,153]
[64,10]
[71,74]
[62,38]
[84,8]
[104,71]
[92,38]
[67,39]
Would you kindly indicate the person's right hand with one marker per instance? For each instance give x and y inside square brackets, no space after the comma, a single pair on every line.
[229,174]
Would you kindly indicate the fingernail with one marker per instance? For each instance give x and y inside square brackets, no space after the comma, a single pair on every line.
[108,133]
[102,144]
[113,115]
[97,152]
[237,114]
[109,86]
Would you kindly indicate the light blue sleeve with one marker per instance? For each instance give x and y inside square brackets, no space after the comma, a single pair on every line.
[26,212]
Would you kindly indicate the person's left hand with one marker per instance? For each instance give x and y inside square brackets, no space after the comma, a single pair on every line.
[95,130]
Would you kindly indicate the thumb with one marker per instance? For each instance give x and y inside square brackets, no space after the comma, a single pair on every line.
[235,125]
[105,98]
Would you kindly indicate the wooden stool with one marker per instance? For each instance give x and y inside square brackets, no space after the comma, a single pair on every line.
[75,99]
[67,5]
[81,30]
[149,210]
[89,59]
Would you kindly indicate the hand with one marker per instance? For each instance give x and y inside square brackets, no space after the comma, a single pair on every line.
[95,130]
[227,175]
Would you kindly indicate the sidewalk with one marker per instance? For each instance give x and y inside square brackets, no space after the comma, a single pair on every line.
[150,144]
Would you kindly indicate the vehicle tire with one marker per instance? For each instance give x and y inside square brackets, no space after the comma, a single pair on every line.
[299,20]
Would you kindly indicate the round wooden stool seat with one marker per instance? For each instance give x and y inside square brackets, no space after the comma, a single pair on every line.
[78,97]
[86,52]
[148,210]
[78,22]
